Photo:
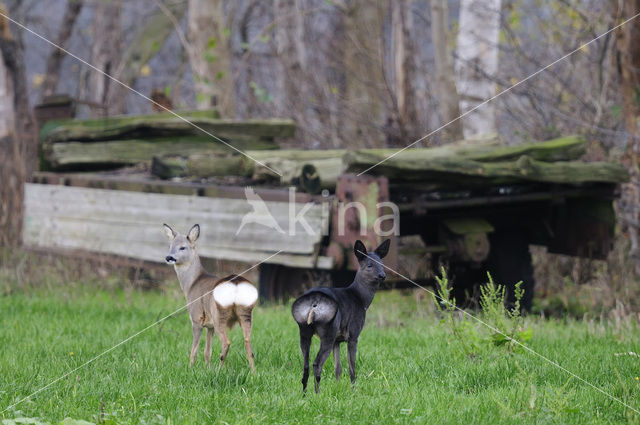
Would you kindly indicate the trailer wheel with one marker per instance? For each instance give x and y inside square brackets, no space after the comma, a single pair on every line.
[268,281]
[279,283]
[510,262]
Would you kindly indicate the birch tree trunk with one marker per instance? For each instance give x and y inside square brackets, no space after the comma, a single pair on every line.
[209,55]
[477,63]
[446,91]
[628,50]
[105,55]
[52,73]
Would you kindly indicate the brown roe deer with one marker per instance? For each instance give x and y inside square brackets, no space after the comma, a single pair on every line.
[213,303]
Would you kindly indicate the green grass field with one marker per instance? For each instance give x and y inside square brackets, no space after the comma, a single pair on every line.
[410,368]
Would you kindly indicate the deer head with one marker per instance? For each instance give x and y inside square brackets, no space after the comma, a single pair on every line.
[182,249]
[370,268]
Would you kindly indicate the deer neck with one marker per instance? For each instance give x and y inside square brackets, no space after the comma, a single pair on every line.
[188,273]
[363,291]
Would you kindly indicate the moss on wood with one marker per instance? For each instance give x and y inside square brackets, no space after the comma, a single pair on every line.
[127,127]
[74,155]
[453,171]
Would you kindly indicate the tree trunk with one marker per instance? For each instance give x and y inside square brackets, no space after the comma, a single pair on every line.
[332,86]
[310,43]
[447,93]
[628,54]
[289,46]
[17,137]
[629,68]
[477,63]
[401,59]
[209,55]
[254,64]
[54,61]
[328,67]
[105,54]
[294,88]
[401,124]
[366,100]
[7,111]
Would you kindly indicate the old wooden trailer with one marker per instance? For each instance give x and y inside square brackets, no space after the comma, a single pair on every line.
[473,206]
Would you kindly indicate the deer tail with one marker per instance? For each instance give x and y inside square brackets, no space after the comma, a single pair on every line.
[310,316]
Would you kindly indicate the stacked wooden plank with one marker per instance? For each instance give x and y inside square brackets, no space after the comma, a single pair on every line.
[116,141]
[177,148]
[477,163]
[311,170]
[554,161]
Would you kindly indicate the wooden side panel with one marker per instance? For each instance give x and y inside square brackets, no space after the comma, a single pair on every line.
[130,224]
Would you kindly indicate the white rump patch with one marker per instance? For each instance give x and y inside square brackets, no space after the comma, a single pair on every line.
[246,294]
[225,293]
[228,293]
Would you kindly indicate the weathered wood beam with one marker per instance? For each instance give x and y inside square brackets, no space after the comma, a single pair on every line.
[312,171]
[452,171]
[110,154]
[127,127]
[486,149]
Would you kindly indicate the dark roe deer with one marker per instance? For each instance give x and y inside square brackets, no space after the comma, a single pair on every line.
[337,314]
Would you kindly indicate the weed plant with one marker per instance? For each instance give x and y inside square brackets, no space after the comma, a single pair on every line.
[505,325]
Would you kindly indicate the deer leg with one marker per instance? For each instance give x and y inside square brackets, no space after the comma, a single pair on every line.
[245,323]
[336,360]
[197,332]
[221,331]
[326,344]
[305,346]
[224,315]
[352,346]
[208,347]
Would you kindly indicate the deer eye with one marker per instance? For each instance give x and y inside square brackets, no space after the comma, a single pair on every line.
[369,265]
[182,248]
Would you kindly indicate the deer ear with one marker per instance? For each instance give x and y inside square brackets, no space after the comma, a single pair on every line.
[194,233]
[171,234]
[383,249]
[360,250]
